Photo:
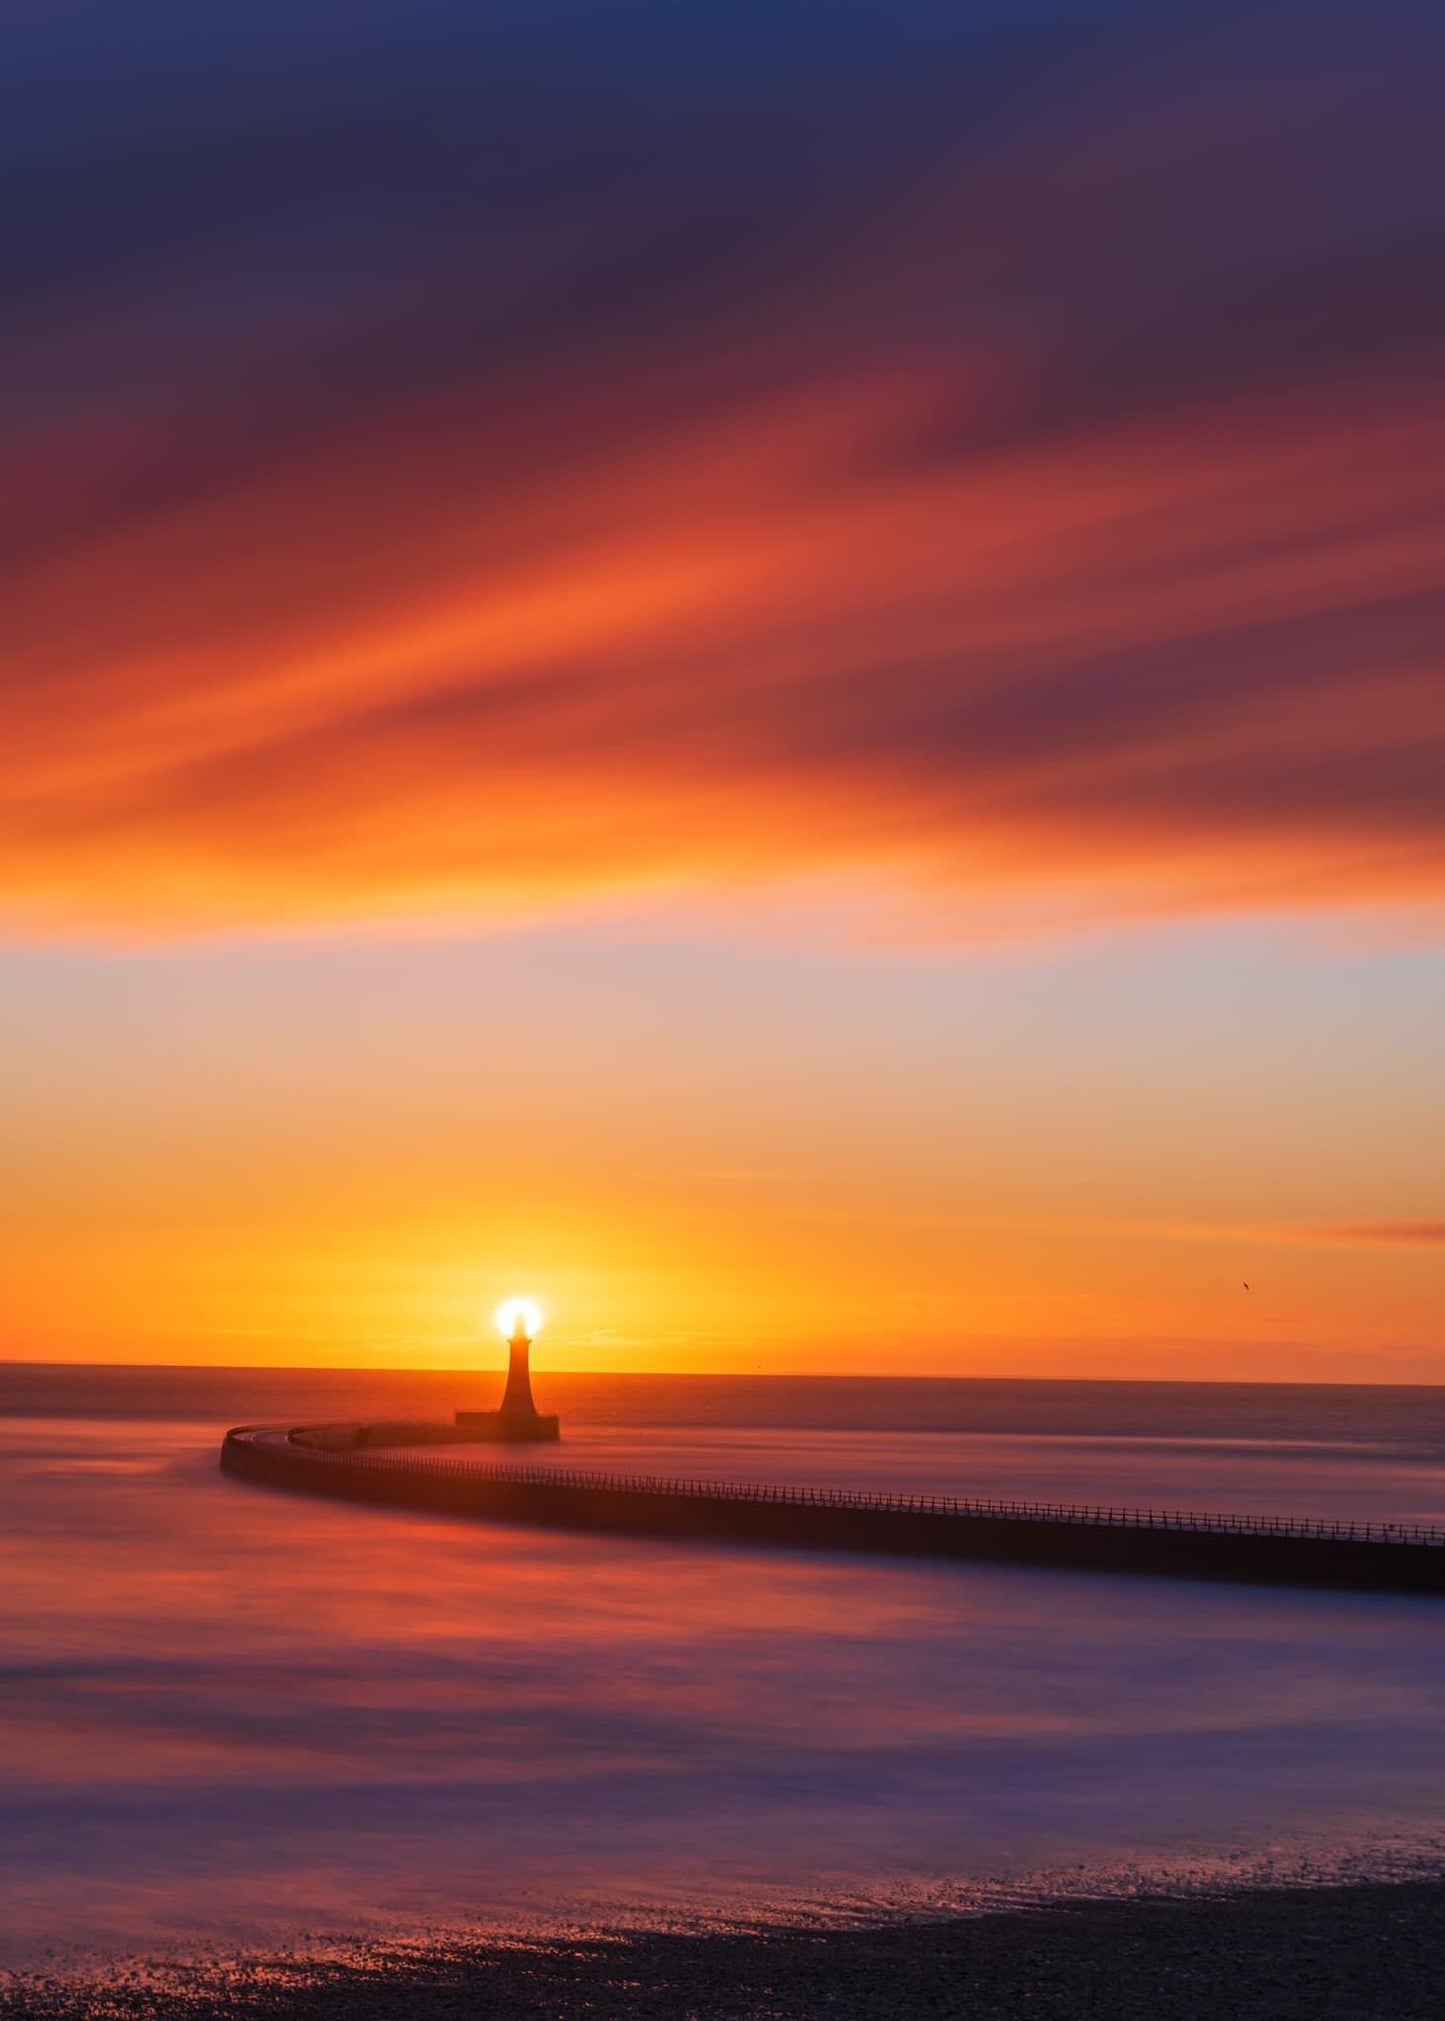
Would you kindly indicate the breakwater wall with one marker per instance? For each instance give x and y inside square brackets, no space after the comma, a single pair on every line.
[1164,1543]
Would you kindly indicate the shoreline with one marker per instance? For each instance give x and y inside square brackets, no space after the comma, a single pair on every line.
[1355,1951]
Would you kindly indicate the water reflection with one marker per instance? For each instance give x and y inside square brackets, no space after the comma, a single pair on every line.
[237,1712]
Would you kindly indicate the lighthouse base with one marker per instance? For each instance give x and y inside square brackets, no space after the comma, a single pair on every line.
[508,1427]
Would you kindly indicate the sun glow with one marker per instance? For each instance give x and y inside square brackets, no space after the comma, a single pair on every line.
[515,1313]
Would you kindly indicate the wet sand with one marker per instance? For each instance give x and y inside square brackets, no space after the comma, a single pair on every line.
[1358,1953]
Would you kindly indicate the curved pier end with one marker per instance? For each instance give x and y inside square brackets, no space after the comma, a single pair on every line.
[347,1461]
[518,1422]
[472,1428]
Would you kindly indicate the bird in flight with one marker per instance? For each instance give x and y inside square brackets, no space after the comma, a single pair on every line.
[1246,1287]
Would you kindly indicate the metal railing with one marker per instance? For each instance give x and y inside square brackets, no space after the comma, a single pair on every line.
[875,1502]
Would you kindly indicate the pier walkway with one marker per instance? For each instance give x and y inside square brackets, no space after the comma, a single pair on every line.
[1380,1557]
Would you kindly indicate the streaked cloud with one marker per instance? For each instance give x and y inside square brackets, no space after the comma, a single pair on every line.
[1405,1234]
[463,470]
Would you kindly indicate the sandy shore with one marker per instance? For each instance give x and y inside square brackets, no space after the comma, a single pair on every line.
[1369,1953]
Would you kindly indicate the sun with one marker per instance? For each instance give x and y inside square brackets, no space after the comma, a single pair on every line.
[516,1314]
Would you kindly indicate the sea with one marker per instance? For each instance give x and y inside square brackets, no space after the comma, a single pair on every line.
[235,1720]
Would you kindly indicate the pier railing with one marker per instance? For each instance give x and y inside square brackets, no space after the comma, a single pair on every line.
[1205,1522]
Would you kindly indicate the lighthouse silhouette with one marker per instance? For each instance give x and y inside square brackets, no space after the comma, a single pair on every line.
[517,1396]
[518,1422]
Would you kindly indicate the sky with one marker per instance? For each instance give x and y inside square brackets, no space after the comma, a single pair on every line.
[771,672]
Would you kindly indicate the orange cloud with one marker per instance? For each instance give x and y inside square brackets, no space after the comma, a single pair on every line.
[1041,520]
[1404,1234]
[1177,663]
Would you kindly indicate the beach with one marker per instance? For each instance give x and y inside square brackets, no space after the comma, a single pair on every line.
[1363,1953]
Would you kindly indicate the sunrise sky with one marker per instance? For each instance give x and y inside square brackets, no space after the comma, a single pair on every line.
[773,672]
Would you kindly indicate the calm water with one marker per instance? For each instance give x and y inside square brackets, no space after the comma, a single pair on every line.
[230,1716]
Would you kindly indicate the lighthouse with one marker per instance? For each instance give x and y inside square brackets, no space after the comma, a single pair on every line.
[518,1422]
[517,1396]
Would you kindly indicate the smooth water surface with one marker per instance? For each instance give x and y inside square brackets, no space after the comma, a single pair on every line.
[231,1715]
